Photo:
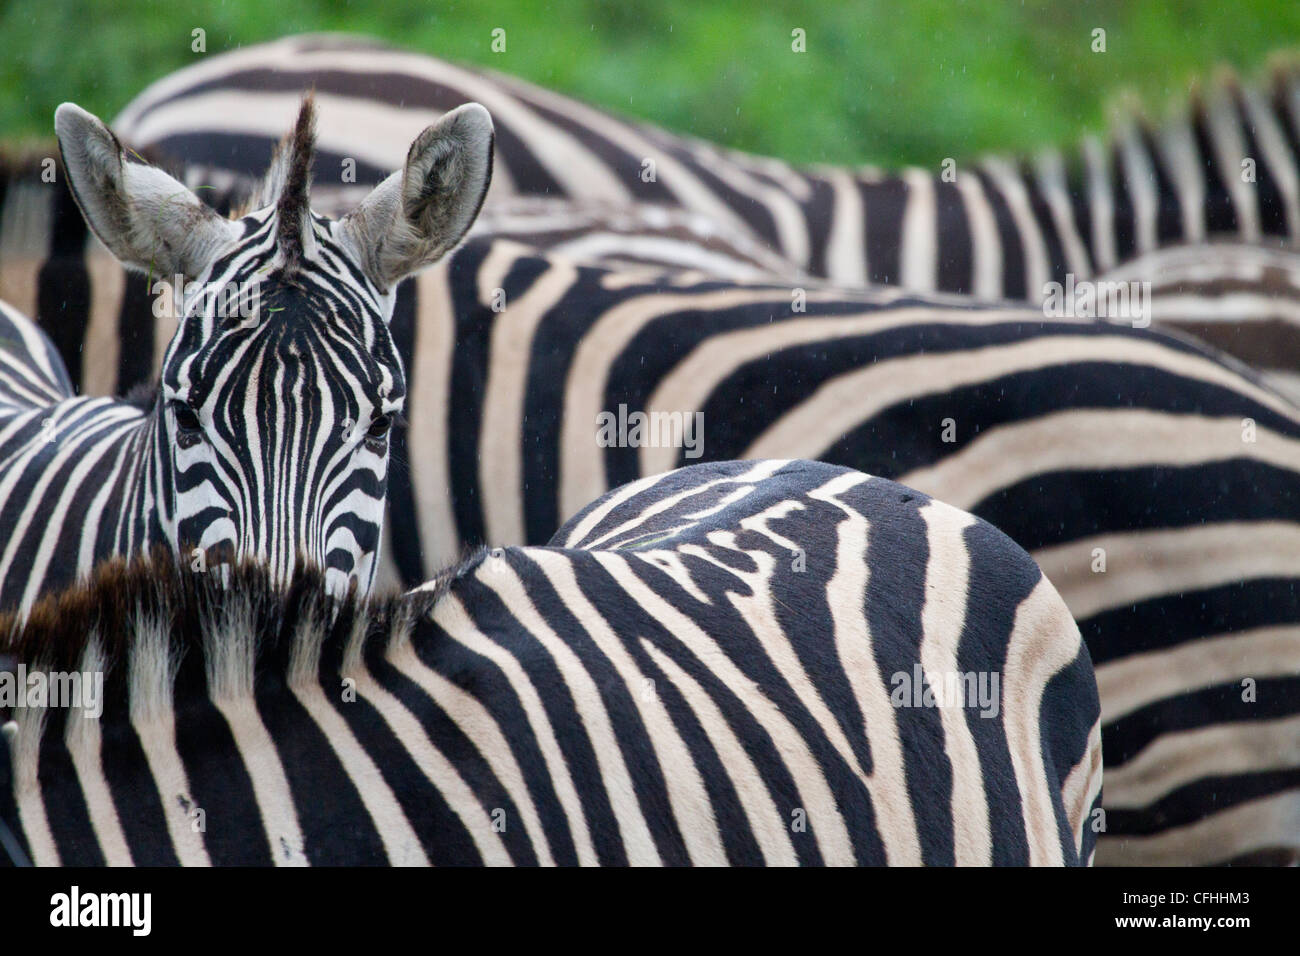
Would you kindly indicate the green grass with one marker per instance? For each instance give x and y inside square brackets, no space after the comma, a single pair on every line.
[882,81]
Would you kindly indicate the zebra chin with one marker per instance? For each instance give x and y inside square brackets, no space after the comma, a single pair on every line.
[344,553]
[345,572]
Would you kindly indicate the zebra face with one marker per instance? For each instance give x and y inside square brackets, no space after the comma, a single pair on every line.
[273,418]
[278,421]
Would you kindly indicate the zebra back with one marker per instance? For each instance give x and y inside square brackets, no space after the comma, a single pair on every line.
[1153,480]
[1107,216]
[998,228]
[729,682]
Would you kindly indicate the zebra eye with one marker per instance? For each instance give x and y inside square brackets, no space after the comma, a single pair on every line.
[379,428]
[186,419]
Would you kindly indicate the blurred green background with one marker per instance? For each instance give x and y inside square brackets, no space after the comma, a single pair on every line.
[881,81]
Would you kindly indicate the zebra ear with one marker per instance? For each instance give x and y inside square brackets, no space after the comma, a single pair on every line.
[416,215]
[148,220]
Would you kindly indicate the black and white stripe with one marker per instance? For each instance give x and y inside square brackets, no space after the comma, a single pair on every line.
[1068,435]
[704,668]
[1000,231]
[1003,229]
[269,433]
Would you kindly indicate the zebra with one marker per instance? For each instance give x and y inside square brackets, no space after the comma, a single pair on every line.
[1084,442]
[1116,216]
[711,666]
[1152,480]
[1155,482]
[1167,205]
[269,432]
[1002,230]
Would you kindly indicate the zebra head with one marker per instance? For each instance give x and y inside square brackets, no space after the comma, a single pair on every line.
[282,381]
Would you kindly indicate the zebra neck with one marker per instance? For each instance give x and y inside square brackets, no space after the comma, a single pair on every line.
[148,517]
[168,640]
[1227,168]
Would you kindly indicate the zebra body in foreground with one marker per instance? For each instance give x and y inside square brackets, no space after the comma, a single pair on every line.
[1157,485]
[1154,482]
[665,683]
[269,433]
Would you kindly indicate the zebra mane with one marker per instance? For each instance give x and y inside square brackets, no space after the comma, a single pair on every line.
[1194,105]
[160,632]
[287,186]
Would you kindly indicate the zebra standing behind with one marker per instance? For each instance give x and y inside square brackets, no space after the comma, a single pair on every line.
[269,434]
[1153,482]
[757,662]
[1202,211]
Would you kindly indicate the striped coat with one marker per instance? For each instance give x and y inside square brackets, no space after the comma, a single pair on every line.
[268,433]
[708,667]
[1002,231]
[1085,443]
[1172,205]
[1154,482]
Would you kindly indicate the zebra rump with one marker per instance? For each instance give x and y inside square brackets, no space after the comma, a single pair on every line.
[702,668]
